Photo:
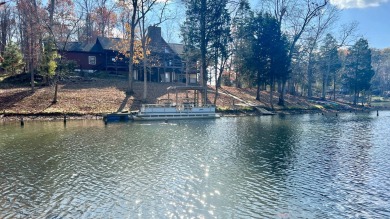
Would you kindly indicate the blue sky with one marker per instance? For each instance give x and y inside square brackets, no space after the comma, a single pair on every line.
[373,17]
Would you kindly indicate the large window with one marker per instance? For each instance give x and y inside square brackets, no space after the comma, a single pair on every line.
[92,60]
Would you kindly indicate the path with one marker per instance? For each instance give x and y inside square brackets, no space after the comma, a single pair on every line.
[246,103]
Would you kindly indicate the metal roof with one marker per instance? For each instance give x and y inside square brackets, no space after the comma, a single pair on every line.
[177,48]
[186,88]
[75,46]
[111,43]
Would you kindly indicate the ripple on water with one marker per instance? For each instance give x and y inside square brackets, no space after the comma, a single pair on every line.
[304,166]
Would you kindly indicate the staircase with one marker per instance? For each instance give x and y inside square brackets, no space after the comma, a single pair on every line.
[260,109]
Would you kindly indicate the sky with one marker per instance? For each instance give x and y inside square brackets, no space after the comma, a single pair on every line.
[373,17]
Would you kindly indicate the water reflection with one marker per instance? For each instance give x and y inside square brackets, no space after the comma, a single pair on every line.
[308,166]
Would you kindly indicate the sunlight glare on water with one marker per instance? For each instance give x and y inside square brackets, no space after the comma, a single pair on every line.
[298,166]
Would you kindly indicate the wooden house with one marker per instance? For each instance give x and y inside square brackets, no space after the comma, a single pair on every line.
[165,61]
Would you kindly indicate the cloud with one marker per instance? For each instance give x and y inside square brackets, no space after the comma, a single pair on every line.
[357,3]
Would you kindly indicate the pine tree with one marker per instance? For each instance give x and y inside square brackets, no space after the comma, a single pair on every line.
[202,27]
[13,59]
[330,62]
[241,43]
[358,69]
[269,52]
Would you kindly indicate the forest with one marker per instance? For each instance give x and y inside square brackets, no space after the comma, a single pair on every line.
[298,47]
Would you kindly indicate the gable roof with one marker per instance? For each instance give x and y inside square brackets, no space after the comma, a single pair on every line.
[177,48]
[110,43]
[75,46]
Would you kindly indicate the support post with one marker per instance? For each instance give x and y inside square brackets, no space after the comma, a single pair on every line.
[176,96]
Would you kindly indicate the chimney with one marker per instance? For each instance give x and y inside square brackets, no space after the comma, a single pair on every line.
[154,33]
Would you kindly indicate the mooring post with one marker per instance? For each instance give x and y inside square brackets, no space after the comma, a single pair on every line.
[105,120]
[21,121]
[377,113]
[64,118]
[336,115]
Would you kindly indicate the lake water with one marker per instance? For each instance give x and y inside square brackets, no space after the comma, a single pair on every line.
[298,166]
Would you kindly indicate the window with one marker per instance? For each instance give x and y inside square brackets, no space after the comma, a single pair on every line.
[92,60]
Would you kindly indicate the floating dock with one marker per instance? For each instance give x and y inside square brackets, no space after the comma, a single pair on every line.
[118,117]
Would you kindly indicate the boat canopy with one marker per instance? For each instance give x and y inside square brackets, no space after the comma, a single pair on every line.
[196,89]
[181,88]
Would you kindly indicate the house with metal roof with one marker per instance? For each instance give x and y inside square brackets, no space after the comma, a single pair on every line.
[166,61]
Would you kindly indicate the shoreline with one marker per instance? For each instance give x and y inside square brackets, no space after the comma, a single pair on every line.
[49,116]
[92,100]
[229,113]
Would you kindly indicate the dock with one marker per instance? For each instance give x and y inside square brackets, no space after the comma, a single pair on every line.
[118,117]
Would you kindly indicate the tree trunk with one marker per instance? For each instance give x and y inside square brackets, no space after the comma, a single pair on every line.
[4,29]
[334,87]
[32,81]
[55,99]
[310,76]
[258,86]
[258,92]
[32,69]
[145,63]
[323,93]
[203,47]
[355,99]
[325,79]
[187,70]
[281,95]
[280,85]
[131,51]
[271,92]
[216,78]
[51,10]
[216,95]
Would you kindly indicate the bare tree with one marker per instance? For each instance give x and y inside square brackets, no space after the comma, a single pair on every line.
[137,10]
[86,8]
[5,25]
[104,17]
[294,17]
[133,7]
[145,7]
[61,25]
[316,31]
[30,30]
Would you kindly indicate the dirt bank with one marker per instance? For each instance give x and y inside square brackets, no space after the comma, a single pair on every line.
[81,98]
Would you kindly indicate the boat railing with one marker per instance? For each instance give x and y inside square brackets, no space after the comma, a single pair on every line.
[164,101]
[157,105]
[208,105]
[169,105]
